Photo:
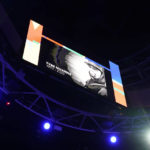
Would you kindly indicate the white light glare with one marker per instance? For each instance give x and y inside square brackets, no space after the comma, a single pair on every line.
[113,139]
[47,126]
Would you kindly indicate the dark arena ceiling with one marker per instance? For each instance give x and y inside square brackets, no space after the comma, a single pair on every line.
[111,30]
[107,30]
[102,29]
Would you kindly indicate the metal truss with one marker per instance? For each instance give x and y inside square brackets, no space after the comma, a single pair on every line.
[44,106]
[136,68]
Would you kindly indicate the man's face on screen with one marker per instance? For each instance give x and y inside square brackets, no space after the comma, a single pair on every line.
[95,73]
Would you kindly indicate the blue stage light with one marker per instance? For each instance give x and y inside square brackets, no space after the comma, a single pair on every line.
[113,139]
[46,125]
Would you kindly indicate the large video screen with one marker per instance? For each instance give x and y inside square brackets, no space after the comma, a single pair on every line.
[44,52]
[78,68]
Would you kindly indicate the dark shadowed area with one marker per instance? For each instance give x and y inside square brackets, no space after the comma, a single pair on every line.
[101,30]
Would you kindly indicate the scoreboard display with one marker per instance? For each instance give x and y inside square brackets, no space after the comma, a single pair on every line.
[48,54]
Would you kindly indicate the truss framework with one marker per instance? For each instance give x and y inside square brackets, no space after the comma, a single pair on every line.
[124,124]
[76,119]
[136,68]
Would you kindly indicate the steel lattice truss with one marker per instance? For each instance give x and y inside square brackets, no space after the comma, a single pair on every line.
[31,98]
[136,68]
[44,106]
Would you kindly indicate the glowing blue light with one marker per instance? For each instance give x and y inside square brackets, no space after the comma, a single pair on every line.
[113,139]
[47,126]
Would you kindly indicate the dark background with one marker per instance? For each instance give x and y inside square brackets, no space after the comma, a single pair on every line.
[99,29]
[109,30]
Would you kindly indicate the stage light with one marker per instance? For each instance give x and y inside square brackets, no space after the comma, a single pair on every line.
[7,103]
[47,126]
[147,133]
[113,139]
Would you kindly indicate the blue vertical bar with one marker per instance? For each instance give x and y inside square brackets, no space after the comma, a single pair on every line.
[115,72]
